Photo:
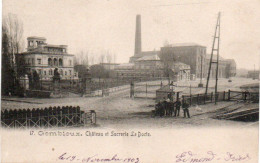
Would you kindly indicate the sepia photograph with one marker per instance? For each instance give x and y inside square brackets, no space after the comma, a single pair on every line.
[130,81]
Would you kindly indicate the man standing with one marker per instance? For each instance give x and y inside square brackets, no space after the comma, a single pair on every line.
[185,107]
[178,107]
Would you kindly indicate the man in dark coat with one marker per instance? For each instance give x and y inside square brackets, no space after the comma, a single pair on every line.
[178,107]
[164,106]
[185,107]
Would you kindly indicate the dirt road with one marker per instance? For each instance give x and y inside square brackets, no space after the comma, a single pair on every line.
[120,111]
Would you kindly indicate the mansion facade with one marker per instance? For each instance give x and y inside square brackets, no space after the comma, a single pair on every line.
[44,58]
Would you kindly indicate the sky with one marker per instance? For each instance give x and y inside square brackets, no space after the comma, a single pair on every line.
[98,26]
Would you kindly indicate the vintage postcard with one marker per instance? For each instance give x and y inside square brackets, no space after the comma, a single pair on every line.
[130,81]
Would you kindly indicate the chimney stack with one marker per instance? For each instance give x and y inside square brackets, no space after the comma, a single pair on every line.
[138,38]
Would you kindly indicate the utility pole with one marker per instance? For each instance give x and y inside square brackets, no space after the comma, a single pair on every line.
[254,73]
[200,84]
[216,36]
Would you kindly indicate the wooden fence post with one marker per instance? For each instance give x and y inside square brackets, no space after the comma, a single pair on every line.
[146,89]
[198,97]
[205,96]
[216,97]
[229,95]
[211,96]
[93,116]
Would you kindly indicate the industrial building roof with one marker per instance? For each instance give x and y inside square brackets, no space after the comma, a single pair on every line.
[149,58]
[125,66]
[36,37]
[148,53]
[184,44]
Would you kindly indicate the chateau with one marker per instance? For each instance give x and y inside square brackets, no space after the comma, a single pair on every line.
[44,58]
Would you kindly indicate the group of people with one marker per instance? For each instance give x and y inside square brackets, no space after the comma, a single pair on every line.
[168,108]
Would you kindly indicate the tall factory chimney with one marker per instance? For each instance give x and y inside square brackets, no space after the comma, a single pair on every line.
[138,37]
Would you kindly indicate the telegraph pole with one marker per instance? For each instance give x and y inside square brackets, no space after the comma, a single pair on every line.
[254,73]
[200,84]
[216,36]
[216,86]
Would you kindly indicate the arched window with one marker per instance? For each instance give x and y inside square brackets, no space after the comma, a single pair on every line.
[55,62]
[49,62]
[60,62]
[70,62]
[50,72]
[61,72]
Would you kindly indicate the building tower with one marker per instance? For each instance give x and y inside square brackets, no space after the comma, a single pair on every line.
[138,37]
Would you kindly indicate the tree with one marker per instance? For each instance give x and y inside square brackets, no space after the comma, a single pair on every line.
[12,45]
[98,71]
[92,60]
[108,57]
[13,27]
[168,60]
[114,58]
[101,58]
[166,43]
[82,59]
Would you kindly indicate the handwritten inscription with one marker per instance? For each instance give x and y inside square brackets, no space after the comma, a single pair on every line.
[96,158]
[190,157]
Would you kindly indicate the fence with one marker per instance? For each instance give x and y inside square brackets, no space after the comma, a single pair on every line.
[146,90]
[221,96]
[48,117]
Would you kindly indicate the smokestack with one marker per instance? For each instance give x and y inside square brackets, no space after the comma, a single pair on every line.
[138,38]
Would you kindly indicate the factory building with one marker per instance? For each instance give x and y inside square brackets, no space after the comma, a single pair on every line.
[188,60]
[226,67]
[191,54]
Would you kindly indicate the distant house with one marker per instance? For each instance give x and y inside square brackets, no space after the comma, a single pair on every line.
[109,66]
[180,71]
[82,70]
[125,70]
[152,67]
[253,74]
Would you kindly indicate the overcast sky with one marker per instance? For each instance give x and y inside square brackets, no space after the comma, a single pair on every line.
[96,25]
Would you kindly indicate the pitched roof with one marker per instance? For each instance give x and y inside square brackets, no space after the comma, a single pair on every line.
[184,44]
[125,66]
[147,53]
[149,58]
[36,37]
[180,64]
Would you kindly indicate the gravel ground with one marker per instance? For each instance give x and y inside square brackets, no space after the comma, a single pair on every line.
[120,111]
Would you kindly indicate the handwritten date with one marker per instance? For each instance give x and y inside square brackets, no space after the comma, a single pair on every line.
[96,158]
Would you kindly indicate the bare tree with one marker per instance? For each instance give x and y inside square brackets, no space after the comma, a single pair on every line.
[166,43]
[85,60]
[108,57]
[91,60]
[101,58]
[114,58]
[12,45]
[82,58]
[13,27]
